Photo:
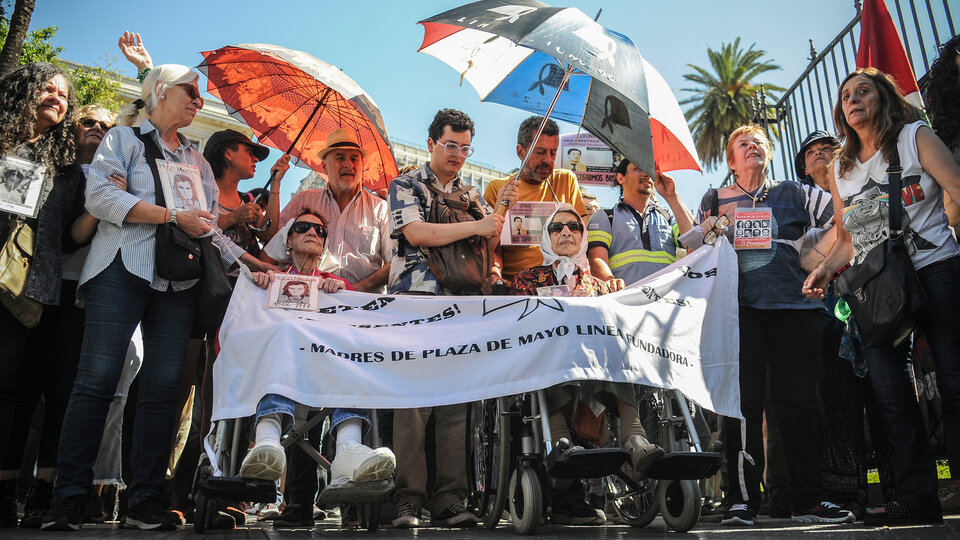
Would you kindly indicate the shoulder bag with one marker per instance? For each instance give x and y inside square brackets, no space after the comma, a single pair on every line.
[884,292]
[463,265]
[14,270]
[177,256]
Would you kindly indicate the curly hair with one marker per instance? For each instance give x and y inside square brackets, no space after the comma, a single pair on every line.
[457,120]
[528,128]
[941,93]
[893,112]
[19,100]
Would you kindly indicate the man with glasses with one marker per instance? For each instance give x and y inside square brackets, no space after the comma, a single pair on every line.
[448,142]
[636,237]
[538,182]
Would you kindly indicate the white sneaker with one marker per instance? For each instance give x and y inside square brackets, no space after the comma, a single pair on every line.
[268,512]
[265,461]
[361,463]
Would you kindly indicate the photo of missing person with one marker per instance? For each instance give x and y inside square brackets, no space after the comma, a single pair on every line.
[186,193]
[182,185]
[518,227]
[573,160]
[294,291]
[21,182]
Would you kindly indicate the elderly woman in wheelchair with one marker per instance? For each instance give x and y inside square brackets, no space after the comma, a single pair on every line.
[305,241]
[564,245]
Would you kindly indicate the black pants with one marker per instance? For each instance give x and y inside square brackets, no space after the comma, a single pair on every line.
[787,343]
[47,367]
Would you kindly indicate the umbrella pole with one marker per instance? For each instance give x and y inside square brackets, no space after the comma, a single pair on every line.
[297,139]
[502,207]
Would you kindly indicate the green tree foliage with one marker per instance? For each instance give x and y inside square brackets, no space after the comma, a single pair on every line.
[92,84]
[722,100]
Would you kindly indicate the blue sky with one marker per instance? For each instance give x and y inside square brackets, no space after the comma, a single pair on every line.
[375,43]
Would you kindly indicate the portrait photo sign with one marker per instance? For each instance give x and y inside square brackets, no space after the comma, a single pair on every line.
[21,184]
[182,185]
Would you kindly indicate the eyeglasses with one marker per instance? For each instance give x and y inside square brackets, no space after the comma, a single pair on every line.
[556,227]
[301,227]
[90,122]
[711,236]
[452,148]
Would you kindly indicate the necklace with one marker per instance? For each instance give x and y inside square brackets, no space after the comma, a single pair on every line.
[754,197]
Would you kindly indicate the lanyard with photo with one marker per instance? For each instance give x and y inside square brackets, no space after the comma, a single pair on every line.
[752,228]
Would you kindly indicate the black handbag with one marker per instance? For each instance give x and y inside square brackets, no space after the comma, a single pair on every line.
[177,256]
[884,292]
[214,291]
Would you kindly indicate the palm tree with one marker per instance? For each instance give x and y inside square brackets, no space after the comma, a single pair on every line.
[722,102]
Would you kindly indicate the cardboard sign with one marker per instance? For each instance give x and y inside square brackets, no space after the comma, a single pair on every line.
[588,157]
[752,228]
[525,222]
[182,185]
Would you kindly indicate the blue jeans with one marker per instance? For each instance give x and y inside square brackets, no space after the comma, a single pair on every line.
[275,403]
[116,302]
[914,469]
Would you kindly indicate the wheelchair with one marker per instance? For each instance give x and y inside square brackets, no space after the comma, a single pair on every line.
[217,480]
[512,460]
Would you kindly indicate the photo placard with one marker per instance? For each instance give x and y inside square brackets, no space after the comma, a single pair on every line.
[182,185]
[525,222]
[294,291]
[21,184]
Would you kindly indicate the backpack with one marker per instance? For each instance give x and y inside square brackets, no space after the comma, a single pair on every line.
[460,266]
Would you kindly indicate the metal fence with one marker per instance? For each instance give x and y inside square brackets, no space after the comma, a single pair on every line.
[807,105]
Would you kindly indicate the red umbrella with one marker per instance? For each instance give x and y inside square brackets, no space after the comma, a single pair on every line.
[292,101]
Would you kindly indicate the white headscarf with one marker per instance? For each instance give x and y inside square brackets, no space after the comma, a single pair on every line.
[566,265]
[276,248]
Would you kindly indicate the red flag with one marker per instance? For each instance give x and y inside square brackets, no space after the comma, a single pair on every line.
[880,47]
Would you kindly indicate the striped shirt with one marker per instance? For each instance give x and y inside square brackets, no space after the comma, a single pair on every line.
[635,249]
[122,153]
[358,239]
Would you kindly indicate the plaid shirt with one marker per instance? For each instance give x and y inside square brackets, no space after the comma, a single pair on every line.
[410,202]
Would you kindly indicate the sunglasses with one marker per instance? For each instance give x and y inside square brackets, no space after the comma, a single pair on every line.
[711,236]
[452,148]
[192,92]
[556,227]
[90,122]
[301,227]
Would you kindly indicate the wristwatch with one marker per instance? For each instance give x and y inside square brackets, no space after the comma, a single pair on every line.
[173,216]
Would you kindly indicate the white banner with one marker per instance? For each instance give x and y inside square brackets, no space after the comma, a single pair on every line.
[676,329]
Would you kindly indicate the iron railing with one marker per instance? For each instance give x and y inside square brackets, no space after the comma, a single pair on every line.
[807,105]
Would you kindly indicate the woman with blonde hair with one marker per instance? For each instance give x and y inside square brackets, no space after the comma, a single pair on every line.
[121,288]
[780,330]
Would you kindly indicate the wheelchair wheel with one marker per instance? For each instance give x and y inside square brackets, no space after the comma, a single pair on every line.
[493,470]
[680,503]
[526,500]
[636,509]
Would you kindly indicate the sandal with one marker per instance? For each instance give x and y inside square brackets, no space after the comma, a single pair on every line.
[895,514]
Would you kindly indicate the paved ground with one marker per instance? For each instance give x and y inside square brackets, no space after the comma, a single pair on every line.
[769,528]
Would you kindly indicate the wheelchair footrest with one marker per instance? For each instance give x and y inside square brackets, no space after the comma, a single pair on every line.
[239,489]
[357,492]
[585,463]
[685,466]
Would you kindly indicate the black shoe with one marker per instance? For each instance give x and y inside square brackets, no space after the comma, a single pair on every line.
[455,515]
[8,503]
[739,514]
[295,516]
[37,504]
[576,512]
[65,514]
[93,513]
[150,514]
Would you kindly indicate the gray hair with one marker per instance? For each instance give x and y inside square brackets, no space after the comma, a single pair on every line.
[154,86]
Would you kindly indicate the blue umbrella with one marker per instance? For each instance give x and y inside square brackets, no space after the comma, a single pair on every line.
[552,61]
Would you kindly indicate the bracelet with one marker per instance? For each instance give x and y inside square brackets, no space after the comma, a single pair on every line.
[141,75]
[173,217]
